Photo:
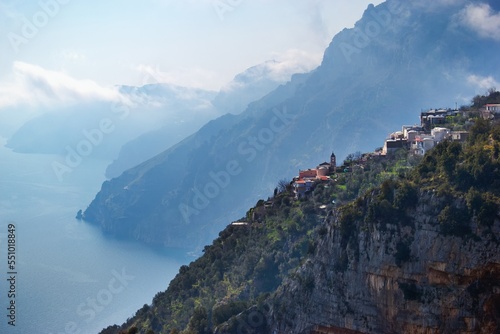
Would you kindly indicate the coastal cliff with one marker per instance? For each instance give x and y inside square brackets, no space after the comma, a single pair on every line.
[405,276]
[416,255]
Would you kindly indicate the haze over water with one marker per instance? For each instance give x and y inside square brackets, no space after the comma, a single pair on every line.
[71,278]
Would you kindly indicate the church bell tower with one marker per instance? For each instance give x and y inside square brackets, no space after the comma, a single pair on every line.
[333,163]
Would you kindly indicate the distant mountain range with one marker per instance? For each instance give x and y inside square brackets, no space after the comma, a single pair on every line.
[151,119]
[246,87]
[373,78]
[143,108]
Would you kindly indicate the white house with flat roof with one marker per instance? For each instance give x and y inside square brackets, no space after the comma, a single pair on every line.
[494,108]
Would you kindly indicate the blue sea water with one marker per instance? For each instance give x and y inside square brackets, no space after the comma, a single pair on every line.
[69,277]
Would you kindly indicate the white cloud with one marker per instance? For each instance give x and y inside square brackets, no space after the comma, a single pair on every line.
[483,83]
[280,69]
[294,61]
[34,85]
[482,19]
[184,77]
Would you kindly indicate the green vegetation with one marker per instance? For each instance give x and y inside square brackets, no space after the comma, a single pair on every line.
[241,267]
[492,97]
[247,263]
[470,172]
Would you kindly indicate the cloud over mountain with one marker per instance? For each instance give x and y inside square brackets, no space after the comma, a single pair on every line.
[482,19]
[483,83]
[33,85]
[279,70]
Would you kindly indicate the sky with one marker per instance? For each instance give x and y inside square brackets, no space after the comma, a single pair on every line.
[194,43]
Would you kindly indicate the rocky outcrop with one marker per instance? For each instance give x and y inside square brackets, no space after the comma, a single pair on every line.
[406,277]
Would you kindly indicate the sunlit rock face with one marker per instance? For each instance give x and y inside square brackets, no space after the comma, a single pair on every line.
[404,277]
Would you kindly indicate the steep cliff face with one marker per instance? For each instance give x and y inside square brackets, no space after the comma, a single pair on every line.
[402,277]
[419,254]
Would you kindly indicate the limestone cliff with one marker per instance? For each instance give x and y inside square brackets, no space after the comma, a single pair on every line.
[419,254]
[403,277]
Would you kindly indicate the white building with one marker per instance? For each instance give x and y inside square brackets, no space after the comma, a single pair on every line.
[440,134]
[494,108]
[422,144]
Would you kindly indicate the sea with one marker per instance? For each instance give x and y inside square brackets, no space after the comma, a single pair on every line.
[61,275]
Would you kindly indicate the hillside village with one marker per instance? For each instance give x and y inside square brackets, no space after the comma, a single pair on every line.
[436,125]
[417,140]
[412,141]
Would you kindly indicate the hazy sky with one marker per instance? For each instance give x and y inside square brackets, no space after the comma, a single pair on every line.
[201,43]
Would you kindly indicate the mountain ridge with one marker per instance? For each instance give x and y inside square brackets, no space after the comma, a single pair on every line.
[339,106]
[250,85]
